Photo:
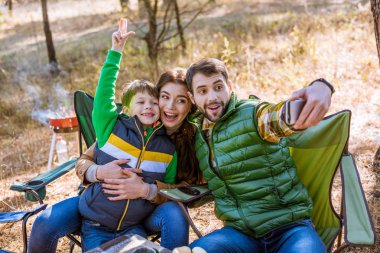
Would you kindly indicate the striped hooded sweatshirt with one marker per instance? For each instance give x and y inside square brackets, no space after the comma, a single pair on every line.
[123,137]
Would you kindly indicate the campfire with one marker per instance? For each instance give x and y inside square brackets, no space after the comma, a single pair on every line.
[63,119]
[63,123]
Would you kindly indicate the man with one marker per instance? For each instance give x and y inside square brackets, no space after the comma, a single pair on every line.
[264,206]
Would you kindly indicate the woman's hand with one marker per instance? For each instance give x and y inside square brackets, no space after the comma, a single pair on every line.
[132,187]
[111,170]
[120,37]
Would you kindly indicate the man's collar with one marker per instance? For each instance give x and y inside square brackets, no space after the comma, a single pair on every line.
[207,124]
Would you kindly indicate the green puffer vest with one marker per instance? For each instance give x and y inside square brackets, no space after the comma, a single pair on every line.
[255,183]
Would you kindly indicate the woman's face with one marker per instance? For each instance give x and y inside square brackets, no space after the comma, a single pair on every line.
[174,105]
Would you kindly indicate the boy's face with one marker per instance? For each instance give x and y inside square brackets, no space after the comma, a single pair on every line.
[145,107]
[211,95]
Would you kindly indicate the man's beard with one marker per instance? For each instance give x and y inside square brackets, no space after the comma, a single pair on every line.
[210,117]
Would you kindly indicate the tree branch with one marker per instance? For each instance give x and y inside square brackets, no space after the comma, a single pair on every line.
[189,23]
[164,28]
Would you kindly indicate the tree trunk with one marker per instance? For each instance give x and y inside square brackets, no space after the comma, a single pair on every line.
[10,5]
[48,36]
[179,27]
[124,4]
[151,36]
[375,7]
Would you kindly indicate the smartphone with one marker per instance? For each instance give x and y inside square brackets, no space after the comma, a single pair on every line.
[189,190]
[292,110]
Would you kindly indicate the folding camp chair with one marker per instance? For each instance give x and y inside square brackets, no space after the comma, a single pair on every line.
[318,152]
[11,217]
[35,188]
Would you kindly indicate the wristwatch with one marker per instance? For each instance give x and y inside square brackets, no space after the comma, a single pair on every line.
[322,80]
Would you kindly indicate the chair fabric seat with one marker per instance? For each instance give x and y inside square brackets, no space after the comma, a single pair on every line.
[12,216]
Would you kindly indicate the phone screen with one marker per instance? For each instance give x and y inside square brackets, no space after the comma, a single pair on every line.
[189,190]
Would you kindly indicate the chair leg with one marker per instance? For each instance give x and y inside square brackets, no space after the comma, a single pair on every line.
[156,237]
[342,219]
[340,248]
[74,240]
[189,220]
[24,234]
[72,246]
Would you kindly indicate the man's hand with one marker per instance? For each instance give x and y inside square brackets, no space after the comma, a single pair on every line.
[120,37]
[318,100]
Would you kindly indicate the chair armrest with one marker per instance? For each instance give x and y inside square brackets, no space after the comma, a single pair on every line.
[38,183]
[189,195]
[17,216]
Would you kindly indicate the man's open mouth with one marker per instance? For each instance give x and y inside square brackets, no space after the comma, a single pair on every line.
[214,107]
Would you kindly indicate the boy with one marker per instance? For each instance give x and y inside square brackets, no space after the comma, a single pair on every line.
[138,137]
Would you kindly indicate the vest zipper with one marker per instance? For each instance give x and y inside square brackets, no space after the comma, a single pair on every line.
[137,167]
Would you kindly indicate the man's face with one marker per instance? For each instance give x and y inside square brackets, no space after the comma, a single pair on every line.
[211,95]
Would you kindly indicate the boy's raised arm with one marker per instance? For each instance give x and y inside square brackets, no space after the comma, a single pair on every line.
[104,114]
[120,37]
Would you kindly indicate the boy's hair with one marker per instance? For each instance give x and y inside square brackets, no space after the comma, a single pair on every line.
[137,86]
[207,67]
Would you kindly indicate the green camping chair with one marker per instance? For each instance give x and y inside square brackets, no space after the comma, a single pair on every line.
[318,152]
[35,188]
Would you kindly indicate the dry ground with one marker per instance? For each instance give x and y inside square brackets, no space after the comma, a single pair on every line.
[271,49]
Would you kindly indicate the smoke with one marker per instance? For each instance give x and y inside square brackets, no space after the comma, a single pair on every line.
[44,101]
[57,105]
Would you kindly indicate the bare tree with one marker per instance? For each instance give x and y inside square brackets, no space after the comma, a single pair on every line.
[124,3]
[161,21]
[49,39]
[179,26]
[9,3]
[375,7]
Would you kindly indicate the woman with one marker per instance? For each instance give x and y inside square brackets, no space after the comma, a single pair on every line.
[63,218]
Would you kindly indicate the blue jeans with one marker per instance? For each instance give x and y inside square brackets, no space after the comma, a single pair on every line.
[299,237]
[64,218]
[53,223]
[94,234]
[166,218]
[174,228]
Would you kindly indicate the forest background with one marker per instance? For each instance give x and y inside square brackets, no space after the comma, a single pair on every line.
[271,48]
